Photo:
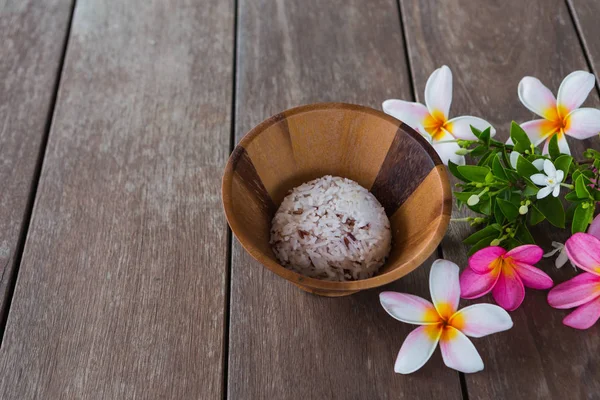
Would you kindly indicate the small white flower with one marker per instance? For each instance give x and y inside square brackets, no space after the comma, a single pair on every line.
[514,156]
[562,256]
[551,180]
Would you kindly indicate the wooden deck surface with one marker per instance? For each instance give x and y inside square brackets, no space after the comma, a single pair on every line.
[119,278]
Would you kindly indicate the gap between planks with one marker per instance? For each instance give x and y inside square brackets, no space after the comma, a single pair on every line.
[230,238]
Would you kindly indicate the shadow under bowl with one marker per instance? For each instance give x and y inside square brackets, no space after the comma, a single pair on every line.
[374,149]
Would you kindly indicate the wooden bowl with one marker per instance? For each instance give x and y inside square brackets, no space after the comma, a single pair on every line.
[374,149]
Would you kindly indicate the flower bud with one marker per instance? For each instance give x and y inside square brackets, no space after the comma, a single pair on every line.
[461,152]
[523,210]
[495,242]
[473,200]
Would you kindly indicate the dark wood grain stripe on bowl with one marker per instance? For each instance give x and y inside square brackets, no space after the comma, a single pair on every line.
[406,165]
[243,166]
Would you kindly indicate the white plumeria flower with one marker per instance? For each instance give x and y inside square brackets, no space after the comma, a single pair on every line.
[442,323]
[551,180]
[562,115]
[562,258]
[514,156]
[433,118]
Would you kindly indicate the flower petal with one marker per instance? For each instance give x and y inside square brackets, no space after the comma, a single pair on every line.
[417,348]
[460,127]
[473,285]
[538,130]
[509,291]
[562,259]
[444,287]
[583,123]
[579,290]
[528,254]
[537,98]
[563,145]
[560,175]
[533,277]
[585,316]
[408,308]
[594,228]
[544,192]
[480,320]
[573,90]
[481,261]
[584,250]
[447,151]
[514,157]
[412,114]
[539,163]
[539,179]
[458,352]
[438,91]
[556,191]
[549,168]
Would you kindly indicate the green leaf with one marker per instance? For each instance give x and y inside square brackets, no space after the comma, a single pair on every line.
[479,151]
[575,175]
[483,243]
[581,188]
[498,214]
[498,169]
[489,230]
[485,158]
[553,210]
[508,209]
[570,212]
[473,173]
[564,163]
[553,148]
[513,176]
[596,194]
[524,235]
[526,168]
[463,196]
[484,206]
[485,136]
[531,189]
[475,131]
[518,135]
[454,171]
[535,217]
[582,217]
[572,196]
[511,243]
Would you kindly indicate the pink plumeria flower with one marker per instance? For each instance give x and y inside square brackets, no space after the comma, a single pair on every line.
[583,291]
[593,229]
[433,118]
[562,115]
[442,323]
[505,274]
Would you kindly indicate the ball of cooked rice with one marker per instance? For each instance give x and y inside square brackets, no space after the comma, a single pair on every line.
[333,229]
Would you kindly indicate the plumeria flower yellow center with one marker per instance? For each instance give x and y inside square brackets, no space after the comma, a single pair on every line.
[561,115]
[442,322]
[431,120]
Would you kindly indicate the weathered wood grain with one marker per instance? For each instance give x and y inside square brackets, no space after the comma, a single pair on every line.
[490,46]
[121,290]
[284,343]
[32,39]
[585,13]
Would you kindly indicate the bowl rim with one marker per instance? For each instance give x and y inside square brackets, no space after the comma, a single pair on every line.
[377,280]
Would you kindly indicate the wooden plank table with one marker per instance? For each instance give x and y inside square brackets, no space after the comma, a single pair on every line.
[118,276]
